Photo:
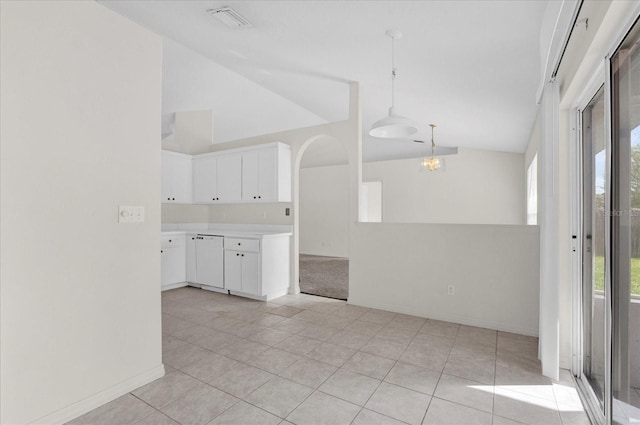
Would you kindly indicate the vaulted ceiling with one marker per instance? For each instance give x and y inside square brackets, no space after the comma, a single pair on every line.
[471,67]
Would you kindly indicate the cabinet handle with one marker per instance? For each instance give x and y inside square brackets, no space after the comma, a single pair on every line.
[259,197]
[242,255]
[217,199]
[169,240]
[173,199]
[237,255]
[168,199]
[254,197]
[161,251]
[193,239]
[239,244]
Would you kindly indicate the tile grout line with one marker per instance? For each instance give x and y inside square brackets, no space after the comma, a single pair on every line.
[495,368]
[248,319]
[440,376]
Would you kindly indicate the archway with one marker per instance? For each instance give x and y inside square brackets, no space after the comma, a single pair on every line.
[321,222]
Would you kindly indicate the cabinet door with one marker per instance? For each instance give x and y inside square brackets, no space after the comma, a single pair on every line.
[191,258]
[230,178]
[232,271]
[205,180]
[176,178]
[250,279]
[167,183]
[173,265]
[250,176]
[181,176]
[268,175]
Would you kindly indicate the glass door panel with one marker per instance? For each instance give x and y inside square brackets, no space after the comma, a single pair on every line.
[625,94]
[594,266]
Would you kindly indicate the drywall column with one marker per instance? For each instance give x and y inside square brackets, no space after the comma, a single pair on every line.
[80,135]
[349,133]
[548,220]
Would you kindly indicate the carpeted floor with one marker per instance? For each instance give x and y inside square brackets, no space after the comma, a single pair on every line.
[324,276]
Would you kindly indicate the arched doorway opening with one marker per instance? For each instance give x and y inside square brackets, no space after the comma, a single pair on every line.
[322,169]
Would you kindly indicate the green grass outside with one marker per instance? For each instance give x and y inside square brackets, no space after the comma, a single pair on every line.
[598,275]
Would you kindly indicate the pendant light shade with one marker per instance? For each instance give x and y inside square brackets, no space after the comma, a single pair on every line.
[393,126]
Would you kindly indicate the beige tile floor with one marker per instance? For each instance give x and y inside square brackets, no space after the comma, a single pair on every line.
[309,360]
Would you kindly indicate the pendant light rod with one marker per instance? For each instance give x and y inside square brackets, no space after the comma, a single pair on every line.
[393,70]
[393,126]
[433,143]
[393,34]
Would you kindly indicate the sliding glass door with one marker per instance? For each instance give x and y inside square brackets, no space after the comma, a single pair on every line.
[609,353]
[595,179]
[625,277]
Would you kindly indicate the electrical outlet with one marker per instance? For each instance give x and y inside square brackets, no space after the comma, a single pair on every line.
[451,290]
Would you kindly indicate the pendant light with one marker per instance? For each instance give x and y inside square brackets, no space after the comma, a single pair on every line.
[393,126]
[432,163]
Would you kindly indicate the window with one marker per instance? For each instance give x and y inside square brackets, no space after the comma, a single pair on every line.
[371,202]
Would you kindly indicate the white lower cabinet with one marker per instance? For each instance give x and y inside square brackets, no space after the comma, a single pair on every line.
[173,259]
[257,268]
[241,272]
[191,257]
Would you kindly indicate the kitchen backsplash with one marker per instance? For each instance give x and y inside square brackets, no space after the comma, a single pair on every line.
[272,213]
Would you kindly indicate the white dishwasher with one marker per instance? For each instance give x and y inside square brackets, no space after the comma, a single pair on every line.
[210,260]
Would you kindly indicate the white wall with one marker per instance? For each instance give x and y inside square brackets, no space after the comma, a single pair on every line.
[479,187]
[192,82]
[324,211]
[80,133]
[407,268]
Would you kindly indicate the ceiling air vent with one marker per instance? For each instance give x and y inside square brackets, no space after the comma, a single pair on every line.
[229,17]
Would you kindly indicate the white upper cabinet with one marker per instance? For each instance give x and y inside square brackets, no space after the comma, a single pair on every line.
[205,180]
[266,174]
[259,173]
[217,178]
[176,178]
[230,178]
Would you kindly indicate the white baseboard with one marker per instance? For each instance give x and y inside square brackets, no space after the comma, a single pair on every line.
[174,286]
[448,318]
[88,404]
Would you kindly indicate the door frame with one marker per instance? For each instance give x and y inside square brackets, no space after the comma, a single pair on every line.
[576,177]
[601,75]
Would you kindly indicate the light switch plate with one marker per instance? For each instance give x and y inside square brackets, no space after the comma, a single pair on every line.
[130,214]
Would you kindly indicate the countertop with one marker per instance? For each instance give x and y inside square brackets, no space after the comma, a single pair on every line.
[230,231]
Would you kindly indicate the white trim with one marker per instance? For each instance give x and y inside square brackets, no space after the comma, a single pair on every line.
[575,152]
[575,219]
[174,286]
[562,27]
[549,344]
[608,305]
[88,404]
[251,148]
[591,88]
[630,18]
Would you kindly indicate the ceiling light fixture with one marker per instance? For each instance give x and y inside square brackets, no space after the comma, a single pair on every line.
[432,163]
[229,17]
[393,126]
